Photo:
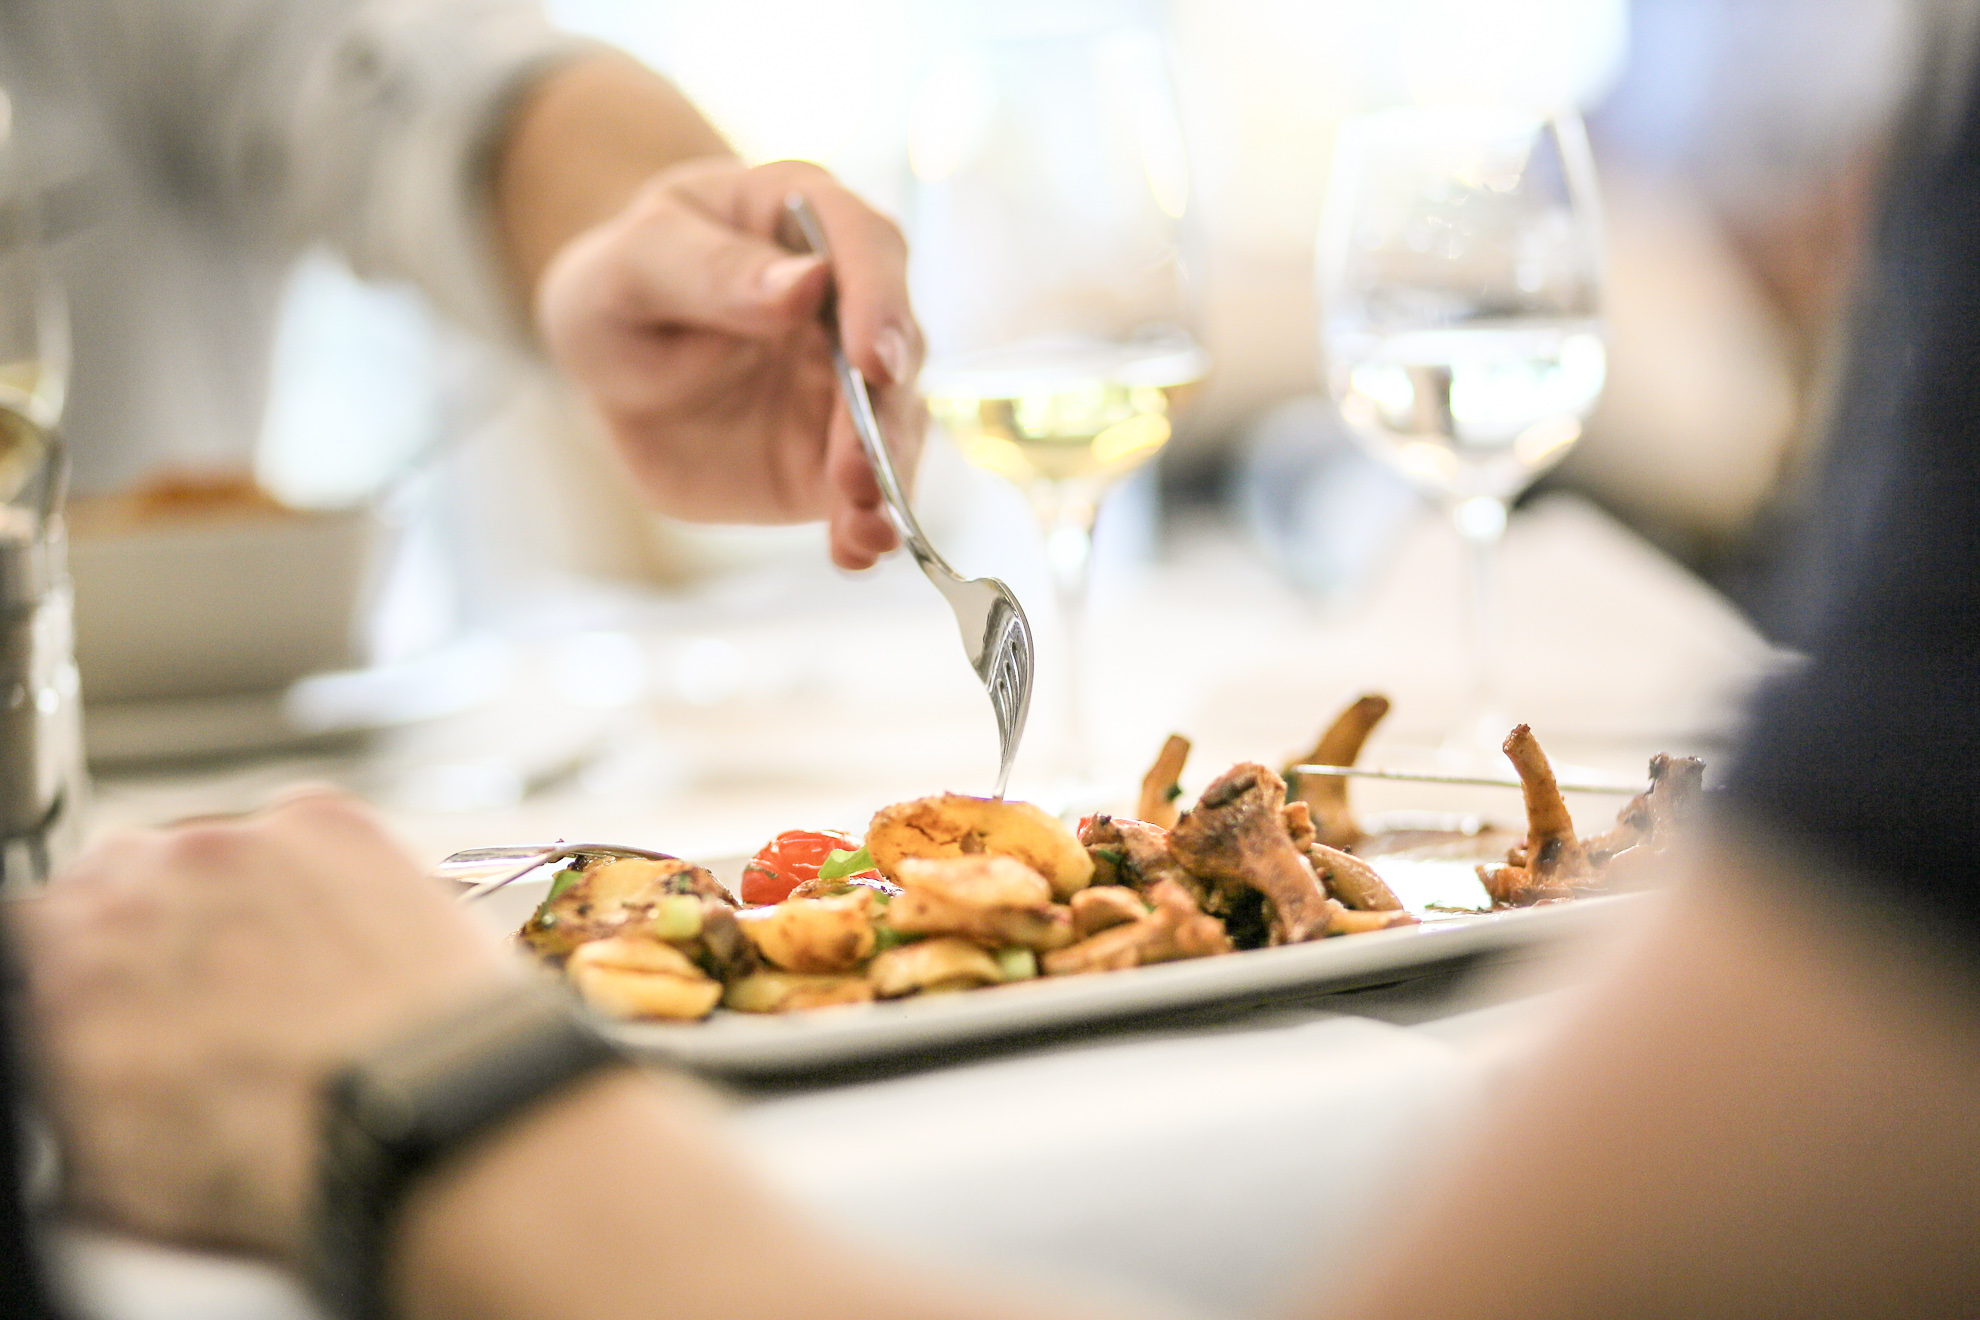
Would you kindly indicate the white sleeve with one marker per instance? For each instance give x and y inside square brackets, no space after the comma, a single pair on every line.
[369,125]
[391,137]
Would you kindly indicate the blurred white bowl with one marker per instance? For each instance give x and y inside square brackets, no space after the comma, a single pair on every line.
[216,603]
[187,611]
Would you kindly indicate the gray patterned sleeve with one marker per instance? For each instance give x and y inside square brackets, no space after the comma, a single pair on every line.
[389,141]
[368,125]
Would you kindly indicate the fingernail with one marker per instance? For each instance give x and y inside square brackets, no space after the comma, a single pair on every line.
[892,347]
[775,280]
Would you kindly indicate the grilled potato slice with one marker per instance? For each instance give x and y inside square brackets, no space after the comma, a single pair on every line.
[611,898]
[996,901]
[952,825]
[784,992]
[943,964]
[639,978]
[814,935]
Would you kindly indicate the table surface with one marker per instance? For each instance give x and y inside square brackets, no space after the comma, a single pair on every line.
[702,725]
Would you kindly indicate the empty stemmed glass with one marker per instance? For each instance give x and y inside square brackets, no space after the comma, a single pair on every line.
[1049,187]
[1460,276]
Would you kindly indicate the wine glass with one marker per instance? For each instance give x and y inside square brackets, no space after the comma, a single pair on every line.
[34,339]
[1046,224]
[1460,273]
[43,786]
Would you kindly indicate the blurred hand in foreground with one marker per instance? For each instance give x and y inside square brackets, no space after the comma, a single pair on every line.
[695,336]
[193,987]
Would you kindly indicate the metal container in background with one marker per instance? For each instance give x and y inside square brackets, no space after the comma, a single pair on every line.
[43,785]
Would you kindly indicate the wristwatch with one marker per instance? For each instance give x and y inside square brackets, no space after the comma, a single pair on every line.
[409,1106]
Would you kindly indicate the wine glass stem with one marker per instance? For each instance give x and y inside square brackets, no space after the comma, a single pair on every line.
[1481,525]
[1066,512]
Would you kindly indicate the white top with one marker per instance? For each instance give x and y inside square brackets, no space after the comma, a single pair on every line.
[193,148]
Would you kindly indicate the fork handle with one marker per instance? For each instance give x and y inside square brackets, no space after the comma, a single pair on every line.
[866,424]
[859,403]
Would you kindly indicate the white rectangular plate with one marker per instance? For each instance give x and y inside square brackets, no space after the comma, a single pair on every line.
[766,1046]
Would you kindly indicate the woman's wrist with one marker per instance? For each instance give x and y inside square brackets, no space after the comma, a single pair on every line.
[581,144]
[493,1231]
[419,1101]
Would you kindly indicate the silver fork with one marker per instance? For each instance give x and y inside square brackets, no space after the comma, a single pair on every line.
[482,871]
[996,636]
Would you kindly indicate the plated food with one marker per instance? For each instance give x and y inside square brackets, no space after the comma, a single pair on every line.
[1553,864]
[950,892]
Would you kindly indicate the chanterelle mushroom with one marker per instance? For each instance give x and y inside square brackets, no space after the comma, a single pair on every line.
[1174,928]
[1236,833]
[1100,907]
[1159,787]
[1552,863]
[1351,880]
[1134,853]
[1636,849]
[1653,816]
[1327,795]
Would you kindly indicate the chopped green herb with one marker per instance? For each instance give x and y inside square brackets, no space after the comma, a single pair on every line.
[1114,855]
[1017,964]
[839,863]
[886,937]
[561,881]
[676,917]
[1172,792]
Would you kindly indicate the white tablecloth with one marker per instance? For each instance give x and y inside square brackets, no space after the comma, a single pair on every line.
[1207,1172]
[1213,1167]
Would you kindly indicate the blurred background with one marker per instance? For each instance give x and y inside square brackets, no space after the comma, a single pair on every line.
[1737,143]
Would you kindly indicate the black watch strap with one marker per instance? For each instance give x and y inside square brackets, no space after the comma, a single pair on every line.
[410,1105]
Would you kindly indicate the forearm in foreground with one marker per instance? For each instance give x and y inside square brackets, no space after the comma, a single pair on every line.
[620,1200]
[1768,1111]
[581,143]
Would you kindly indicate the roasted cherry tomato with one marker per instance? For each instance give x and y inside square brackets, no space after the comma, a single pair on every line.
[787,861]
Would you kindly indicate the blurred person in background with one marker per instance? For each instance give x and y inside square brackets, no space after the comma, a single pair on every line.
[1764,1108]
[546,192]
[1741,154]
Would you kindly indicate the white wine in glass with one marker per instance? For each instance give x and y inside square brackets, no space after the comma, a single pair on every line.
[1058,412]
[1460,284]
[1046,226]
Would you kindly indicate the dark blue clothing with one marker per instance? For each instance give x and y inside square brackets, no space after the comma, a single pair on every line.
[20,1290]
[1871,755]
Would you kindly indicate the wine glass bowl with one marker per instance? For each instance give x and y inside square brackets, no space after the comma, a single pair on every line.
[1046,230]
[1063,410]
[1460,274]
